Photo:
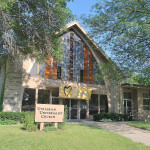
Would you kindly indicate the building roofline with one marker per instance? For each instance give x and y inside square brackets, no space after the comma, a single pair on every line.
[85,33]
[134,86]
[75,22]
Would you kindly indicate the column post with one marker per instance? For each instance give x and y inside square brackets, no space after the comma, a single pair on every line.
[99,104]
[60,101]
[87,109]
[69,108]
[78,109]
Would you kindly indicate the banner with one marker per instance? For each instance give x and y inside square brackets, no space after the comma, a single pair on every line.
[75,92]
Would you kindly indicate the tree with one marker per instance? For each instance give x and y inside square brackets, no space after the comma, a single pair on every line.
[124,27]
[32,27]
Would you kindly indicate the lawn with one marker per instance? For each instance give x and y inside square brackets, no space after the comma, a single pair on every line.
[73,137]
[141,124]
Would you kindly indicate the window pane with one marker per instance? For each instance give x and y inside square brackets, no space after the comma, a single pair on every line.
[33,71]
[129,103]
[103,103]
[42,70]
[28,101]
[58,72]
[43,96]
[93,104]
[146,102]
[145,107]
[145,95]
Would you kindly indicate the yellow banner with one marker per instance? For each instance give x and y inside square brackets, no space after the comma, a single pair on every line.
[75,92]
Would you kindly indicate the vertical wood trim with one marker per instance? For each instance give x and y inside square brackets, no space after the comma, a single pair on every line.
[91,67]
[85,63]
[54,68]
[71,56]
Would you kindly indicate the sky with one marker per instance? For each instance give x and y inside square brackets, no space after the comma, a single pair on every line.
[79,7]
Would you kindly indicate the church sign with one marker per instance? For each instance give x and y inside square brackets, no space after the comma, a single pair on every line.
[49,113]
[75,92]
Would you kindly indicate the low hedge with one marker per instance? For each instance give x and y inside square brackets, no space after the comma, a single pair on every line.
[112,116]
[17,116]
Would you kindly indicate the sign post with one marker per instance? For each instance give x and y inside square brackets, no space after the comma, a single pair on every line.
[49,113]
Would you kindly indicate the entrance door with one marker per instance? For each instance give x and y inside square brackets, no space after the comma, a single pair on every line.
[73,109]
[66,104]
[71,105]
[127,106]
[83,109]
[127,103]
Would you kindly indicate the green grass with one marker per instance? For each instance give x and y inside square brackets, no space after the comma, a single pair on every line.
[140,124]
[73,137]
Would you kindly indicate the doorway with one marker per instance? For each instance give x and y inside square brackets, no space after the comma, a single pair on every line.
[76,108]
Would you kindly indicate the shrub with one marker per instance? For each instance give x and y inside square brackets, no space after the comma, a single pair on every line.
[17,116]
[49,127]
[8,122]
[112,116]
[61,124]
[29,123]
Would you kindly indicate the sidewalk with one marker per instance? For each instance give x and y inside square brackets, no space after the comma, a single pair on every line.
[135,134]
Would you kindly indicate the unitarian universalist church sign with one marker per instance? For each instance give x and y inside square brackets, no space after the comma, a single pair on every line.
[49,113]
[75,92]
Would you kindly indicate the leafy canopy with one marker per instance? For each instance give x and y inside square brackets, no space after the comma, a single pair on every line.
[30,28]
[124,27]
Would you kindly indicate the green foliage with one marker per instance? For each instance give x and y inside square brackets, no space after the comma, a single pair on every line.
[123,27]
[33,27]
[8,122]
[106,120]
[112,117]
[74,137]
[29,123]
[49,127]
[62,124]
[17,116]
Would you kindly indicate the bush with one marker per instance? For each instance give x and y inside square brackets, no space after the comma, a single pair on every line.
[61,124]
[8,122]
[112,116]
[49,127]
[17,116]
[29,123]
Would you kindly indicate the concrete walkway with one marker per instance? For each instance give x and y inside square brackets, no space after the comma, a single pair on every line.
[135,134]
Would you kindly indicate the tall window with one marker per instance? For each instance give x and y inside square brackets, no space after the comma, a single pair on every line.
[58,72]
[28,102]
[103,103]
[81,75]
[43,96]
[146,101]
[93,104]
[127,102]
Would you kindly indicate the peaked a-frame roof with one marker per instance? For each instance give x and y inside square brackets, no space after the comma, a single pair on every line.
[76,26]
